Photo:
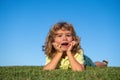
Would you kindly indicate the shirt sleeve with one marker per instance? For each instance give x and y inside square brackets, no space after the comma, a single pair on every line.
[79,57]
[47,59]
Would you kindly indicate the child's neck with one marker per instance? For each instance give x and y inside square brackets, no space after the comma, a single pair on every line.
[64,55]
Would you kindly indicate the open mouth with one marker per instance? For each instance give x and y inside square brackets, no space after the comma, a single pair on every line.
[64,44]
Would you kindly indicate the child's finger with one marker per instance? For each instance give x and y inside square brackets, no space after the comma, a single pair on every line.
[74,43]
[59,46]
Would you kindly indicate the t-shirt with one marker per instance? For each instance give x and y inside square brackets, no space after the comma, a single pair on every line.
[64,62]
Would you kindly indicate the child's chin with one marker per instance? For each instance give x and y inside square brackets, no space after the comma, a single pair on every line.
[64,49]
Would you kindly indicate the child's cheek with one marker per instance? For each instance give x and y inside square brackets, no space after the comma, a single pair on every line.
[57,42]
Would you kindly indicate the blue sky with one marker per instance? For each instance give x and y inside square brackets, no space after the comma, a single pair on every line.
[24,25]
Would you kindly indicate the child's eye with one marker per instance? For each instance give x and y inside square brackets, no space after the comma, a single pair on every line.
[68,35]
[59,35]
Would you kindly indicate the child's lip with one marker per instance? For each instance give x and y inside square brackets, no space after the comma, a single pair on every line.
[65,43]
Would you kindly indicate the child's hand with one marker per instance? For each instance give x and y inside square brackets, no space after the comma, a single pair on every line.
[57,47]
[72,44]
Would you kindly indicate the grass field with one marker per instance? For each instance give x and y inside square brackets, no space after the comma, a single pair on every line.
[36,73]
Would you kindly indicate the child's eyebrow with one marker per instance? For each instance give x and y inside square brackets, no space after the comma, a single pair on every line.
[58,34]
[62,33]
[68,33]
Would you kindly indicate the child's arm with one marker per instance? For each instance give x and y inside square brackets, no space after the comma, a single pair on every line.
[75,65]
[53,63]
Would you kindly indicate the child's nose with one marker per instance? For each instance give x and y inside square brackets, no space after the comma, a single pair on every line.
[64,38]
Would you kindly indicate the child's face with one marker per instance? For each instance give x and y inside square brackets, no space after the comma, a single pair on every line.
[63,39]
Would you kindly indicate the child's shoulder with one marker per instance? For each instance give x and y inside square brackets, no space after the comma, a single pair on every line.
[80,51]
[79,54]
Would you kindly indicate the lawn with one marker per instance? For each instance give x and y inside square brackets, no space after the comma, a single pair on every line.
[36,73]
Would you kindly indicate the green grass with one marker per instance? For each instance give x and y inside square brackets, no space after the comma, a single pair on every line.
[36,73]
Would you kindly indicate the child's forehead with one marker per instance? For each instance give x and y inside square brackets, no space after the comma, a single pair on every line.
[63,31]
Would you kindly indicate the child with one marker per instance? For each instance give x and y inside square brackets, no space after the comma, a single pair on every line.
[62,49]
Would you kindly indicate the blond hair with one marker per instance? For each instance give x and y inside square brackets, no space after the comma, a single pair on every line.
[49,49]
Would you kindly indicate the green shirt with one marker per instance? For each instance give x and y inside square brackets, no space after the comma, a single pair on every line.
[64,62]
